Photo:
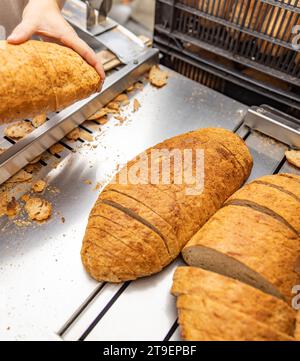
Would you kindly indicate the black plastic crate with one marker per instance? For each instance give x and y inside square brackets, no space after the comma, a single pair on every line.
[243,42]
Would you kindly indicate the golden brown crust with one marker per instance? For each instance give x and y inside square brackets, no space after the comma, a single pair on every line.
[202,319]
[293,157]
[167,212]
[41,77]
[281,203]
[234,294]
[169,247]
[260,219]
[286,184]
[247,235]
[129,231]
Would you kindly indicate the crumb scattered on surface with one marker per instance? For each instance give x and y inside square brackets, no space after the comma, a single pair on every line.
[74,134]
[139,86]
[56,148]
[39,120]
[36,160]
[120,118]
[87,181]
[114,106]
[12,208]
[38,209]
[86,136]
[21,223]
[39,186]
[18,130]
[293,157]
[98,186]
[101,121]
[122,99]
[63,220]
[2,150]
[3,202]
[25,198]
[20,177]
[158,77]
[130,89]
[136,105]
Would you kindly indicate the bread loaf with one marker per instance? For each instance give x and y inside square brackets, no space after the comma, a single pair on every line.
[202,319]
[38,77]
[254,237]
[197,285]
[249,14]
[278,24]
[152,221]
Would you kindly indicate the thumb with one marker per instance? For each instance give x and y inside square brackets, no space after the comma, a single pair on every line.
[21,33]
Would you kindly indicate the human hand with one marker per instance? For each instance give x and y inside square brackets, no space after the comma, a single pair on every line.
[44,18]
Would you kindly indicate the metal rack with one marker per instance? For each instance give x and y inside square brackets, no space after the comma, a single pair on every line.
[223,38]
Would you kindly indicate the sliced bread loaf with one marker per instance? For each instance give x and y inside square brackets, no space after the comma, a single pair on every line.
[249,241]
[201,284]
[160,217]
[206,320]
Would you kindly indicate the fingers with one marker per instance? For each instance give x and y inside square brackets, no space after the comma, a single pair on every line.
[73,41]
[22,33]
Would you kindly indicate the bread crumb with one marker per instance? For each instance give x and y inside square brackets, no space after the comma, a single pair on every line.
[36,160]
[101,121]
[3,202]
[2,150]
[39,120]
[98,186]
[32,167]
[39,186]
[18,130]
[74,134]
[158,77]
[86,136]
[87,181]
[136,105]
[139,86]
[38,209]
[99,114]
[56,148]
[12,208]
[20,177]
[122,99]
[25,198]
[293,157]
[120,119]
[130,89]
[113,106]
[20,223]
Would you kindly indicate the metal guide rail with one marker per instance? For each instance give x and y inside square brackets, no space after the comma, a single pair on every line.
[45,292]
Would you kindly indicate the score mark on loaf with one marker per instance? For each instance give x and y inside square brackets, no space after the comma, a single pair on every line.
[38,77]
[135,230]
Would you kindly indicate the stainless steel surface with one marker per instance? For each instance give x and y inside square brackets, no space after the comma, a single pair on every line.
[82,15]
[125,45]
[274,124]
[44,288]
[122,43]
[24,151]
